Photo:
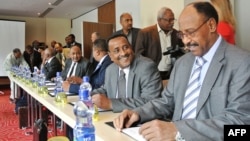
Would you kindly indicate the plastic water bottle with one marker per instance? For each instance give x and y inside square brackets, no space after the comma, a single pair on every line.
[84,129]
[85,96]
[85,89]
[60,96]
[42,88]
[35,77]
[58,81]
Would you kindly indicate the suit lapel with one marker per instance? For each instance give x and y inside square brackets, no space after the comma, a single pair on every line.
[115,76]
[78,68]
[131,77]
[130,82]
[211,76]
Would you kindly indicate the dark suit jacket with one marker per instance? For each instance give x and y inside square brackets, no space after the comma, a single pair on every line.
[144,84]
[148,43]
[224,96]
[134,35]
[37,60]
[51,68]
[81,69]
[96,78]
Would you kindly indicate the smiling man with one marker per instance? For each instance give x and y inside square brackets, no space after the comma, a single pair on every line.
[140,83]
[76,65]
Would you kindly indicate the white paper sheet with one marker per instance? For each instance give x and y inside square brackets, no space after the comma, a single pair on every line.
[134,133]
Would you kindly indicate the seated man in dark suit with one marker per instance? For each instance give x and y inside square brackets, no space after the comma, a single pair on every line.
[76,65]
[100,54]
[52,65]
[140,83]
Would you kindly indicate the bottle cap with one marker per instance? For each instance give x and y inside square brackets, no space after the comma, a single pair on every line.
[58,73]
[85,79]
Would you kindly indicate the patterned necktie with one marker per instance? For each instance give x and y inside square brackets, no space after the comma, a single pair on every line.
[193,91]
[60,57]
[63,62]
[122,85]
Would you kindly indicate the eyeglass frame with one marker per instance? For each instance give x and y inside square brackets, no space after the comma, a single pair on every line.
[192,33]
[169,20]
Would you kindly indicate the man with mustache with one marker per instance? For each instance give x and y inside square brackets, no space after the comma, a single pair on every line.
[76,65]
[142,81]
[157,39]
[208,87]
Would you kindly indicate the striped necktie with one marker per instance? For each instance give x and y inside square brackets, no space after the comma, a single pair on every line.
[193,91]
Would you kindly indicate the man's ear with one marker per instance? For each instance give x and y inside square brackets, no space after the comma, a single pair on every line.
[212,25]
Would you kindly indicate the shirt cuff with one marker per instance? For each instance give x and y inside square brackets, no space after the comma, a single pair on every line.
[178,137]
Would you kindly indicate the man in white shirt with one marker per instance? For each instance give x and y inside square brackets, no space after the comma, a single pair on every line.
[15,58]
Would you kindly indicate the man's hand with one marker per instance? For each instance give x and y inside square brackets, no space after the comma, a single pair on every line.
[157,130]
[101,101]
[65,86]
[125,119]
[74,80]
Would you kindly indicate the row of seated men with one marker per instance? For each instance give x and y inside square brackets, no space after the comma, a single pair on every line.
[143,75]
[143,80]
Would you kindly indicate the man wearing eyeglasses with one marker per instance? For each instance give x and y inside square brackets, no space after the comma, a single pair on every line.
[209,87]
[159,41]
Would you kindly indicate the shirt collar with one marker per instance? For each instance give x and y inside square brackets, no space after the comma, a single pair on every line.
[209,55]
[50,59]
[100,62]
[160,30]
[126,70]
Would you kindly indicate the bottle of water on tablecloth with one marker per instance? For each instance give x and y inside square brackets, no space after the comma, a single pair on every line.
[84,129]
[42,88]
[60,96]
[35,78]
[85,96]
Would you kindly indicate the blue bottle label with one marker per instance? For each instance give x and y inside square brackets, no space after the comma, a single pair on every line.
[86,137]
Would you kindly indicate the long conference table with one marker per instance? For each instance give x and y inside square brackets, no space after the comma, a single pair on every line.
[103,132]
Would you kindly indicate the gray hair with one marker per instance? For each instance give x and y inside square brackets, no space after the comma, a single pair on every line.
[162,11]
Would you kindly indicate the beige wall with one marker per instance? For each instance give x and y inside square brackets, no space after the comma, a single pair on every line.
[43,29]
[57,29]
[150,8]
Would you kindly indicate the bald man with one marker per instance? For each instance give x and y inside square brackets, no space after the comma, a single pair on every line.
[52,65]
[126,22]
[76,65]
